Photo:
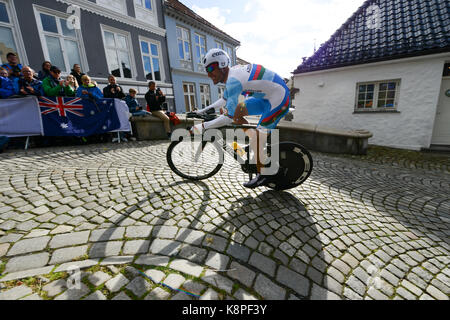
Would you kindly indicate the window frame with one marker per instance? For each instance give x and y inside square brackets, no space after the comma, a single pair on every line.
[203,97]
[189,94]
[220,43]
[15,30]
[105,5]
[152,10]
[376,92]
[183,40]
[160,57]
[79,38]
[230,55]
[199,61]
[130,50]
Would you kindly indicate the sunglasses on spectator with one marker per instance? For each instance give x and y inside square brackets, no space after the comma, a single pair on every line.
[210,68]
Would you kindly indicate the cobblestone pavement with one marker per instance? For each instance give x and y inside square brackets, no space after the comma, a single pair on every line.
[356,229]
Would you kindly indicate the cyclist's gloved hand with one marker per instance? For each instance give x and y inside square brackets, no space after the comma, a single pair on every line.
[201,112]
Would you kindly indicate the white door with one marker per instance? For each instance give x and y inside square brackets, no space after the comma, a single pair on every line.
[441,132]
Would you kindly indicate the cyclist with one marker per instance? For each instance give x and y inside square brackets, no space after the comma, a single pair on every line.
[266,95]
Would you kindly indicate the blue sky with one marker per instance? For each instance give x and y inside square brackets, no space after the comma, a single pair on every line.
[276,33]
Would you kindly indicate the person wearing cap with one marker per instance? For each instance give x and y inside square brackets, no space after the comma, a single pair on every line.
[54,86]
[13,61]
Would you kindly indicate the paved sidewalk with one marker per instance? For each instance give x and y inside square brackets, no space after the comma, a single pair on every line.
[113,222]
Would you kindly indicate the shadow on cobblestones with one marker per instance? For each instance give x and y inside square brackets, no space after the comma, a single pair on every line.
[418,201]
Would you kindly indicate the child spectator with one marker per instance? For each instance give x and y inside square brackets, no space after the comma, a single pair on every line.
[133,104]
[54,86]
[45,72]
[113,90]
[73,83]
[13,61]
[28,85]
[76,72]
[6,85]
[88,90]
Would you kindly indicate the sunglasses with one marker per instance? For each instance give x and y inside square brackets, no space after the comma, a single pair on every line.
[211,67]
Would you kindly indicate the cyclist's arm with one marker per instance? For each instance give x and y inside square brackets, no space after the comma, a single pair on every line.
[216,106]
[232,93]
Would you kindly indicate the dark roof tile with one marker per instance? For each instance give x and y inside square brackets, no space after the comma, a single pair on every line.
[407,28]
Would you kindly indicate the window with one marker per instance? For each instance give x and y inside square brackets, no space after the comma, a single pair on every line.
[200,47]
[380,96]
[118,54]
[230,53]
[61,44]
[221,91]
[205,96]
[144,4]
[189,96]
[184,49]
[7,33]
[219,45]
[145,11]
[119,6]
[151,60]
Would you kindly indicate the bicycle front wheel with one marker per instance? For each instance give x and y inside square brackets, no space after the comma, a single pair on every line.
[194,160]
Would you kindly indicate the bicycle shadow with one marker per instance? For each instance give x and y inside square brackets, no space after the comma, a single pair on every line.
[274,229]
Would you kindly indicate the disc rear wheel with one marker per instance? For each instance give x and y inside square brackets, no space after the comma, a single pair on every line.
[295,166]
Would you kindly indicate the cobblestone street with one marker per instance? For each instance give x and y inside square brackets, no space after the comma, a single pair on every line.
[358,228]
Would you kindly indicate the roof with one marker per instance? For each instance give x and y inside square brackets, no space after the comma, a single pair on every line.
[181,8]
[405,28]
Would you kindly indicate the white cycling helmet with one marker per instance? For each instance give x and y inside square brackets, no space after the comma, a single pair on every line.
[219,56]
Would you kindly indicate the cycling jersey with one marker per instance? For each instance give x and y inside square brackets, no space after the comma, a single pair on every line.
[266,94]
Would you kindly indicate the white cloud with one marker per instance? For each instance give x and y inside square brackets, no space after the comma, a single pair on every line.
[280,33]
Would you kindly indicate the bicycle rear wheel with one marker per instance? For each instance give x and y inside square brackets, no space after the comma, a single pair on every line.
[194,160]
[295,166]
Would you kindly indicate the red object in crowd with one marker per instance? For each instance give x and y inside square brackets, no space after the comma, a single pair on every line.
[174,119]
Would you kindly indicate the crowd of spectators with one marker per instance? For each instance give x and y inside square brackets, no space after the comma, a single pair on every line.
[17,81]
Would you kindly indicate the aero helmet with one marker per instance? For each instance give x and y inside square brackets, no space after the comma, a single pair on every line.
[219,56]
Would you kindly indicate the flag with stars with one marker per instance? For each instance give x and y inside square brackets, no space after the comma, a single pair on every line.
[77,116]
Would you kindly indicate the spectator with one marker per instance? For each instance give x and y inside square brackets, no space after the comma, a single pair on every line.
[15,76]
[45,72]
[155,98]
[13,61]
[88,90]
[113,90]
[28,85]
[54,86]
[133,104]
[73,82]
[6,85]
[76,72]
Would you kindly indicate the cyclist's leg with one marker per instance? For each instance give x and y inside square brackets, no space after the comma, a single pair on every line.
[269,120]
[257,138]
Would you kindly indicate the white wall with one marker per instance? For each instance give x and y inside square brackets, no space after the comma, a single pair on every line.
[333,104]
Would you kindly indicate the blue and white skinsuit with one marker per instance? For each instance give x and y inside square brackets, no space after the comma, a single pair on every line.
[266,95]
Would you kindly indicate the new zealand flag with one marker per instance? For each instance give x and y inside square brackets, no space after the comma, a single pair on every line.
[77,117]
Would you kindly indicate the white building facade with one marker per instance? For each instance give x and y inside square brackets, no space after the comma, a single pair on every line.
[404,102]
